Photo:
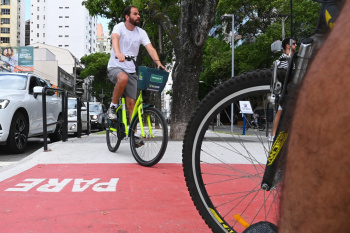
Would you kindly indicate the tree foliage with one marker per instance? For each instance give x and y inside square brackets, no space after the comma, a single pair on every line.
[260,24]
[96,66]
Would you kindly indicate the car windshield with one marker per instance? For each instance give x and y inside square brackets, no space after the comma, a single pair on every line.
[72,104]
[94,107]
[13,82]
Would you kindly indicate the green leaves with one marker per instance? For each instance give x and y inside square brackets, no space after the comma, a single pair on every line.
[96,66]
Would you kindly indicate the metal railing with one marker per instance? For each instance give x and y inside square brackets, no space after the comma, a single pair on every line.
[64,122]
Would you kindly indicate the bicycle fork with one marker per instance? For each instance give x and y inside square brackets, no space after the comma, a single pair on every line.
[307,50]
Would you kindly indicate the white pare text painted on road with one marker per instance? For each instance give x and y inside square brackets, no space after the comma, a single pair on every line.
[54,185]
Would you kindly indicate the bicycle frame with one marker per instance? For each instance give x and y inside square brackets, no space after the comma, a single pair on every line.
[137,112]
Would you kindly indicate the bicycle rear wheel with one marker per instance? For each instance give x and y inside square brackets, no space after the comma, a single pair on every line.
[155,142]
[114,134]
[224,169]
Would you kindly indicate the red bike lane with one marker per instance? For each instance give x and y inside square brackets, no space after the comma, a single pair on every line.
[98,198]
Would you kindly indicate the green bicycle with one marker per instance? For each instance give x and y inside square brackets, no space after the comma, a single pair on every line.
[148,130]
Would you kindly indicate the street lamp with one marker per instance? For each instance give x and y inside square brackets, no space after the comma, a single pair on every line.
[233,57]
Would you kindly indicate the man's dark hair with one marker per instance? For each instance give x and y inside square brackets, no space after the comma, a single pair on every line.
[285,42]
[127,11]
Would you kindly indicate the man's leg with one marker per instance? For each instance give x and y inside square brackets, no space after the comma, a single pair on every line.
[119,86]
[122,81]
[316,195]
[130,104]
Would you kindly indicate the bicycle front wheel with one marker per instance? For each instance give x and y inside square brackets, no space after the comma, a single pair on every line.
[223,168]
[149,150]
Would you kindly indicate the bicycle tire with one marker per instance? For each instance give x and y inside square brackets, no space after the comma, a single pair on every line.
[154,148]
[223,171]
[113,141]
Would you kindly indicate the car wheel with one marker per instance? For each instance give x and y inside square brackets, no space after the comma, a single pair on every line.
[57,135]
[18,135]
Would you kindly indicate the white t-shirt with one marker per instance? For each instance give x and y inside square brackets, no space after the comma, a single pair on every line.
[129,44]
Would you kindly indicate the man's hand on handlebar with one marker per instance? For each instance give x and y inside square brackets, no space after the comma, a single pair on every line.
[120,57]
[161,67]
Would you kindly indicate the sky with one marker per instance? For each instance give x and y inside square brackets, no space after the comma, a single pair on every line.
[103,21]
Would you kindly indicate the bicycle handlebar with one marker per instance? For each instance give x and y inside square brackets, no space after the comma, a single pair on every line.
[131,58]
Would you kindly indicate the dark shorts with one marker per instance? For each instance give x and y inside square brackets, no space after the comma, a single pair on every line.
[131,87]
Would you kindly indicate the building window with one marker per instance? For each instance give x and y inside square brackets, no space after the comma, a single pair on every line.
[5,30]
[38,9]
[37,26]
[5,2]
[37,17]
[66,35]
[37,34]
[5,21]
[5,11]
[67,17]
[60,17]
[5,39]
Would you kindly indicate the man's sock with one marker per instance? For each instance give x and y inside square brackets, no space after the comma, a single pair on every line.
[115,105]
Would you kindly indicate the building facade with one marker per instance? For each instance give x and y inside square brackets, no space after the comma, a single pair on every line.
[12,23]
[103,41]
[65,24]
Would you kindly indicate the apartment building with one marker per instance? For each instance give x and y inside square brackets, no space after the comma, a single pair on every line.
[63,23]
[103,41]
[12,18]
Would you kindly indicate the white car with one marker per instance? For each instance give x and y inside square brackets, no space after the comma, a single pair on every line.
[72,117]
[21,110]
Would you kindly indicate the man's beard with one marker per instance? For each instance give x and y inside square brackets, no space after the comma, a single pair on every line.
[134,22]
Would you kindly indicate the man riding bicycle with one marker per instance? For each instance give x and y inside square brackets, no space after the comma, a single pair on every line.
[126,40]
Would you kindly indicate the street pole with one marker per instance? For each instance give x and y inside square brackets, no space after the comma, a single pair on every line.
[233,66]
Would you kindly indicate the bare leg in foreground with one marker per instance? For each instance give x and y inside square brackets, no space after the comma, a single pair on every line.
[316,195]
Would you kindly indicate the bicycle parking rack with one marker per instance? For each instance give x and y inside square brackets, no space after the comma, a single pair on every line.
[64,122]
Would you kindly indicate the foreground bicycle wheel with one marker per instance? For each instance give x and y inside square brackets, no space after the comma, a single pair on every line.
[155,142]
[224,169]
[112,131]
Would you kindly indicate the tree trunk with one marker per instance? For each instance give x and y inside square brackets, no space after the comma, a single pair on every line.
[196,21]
[188,39]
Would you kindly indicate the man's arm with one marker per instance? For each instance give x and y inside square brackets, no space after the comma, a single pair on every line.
[316,194]
[116,48]
[154,55]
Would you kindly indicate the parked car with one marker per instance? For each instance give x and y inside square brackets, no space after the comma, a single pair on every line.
[98,115]
[21,110]
[72,117]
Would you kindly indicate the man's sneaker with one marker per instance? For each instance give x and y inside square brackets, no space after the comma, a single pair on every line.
[111,113]
[138,142]
[271,138]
